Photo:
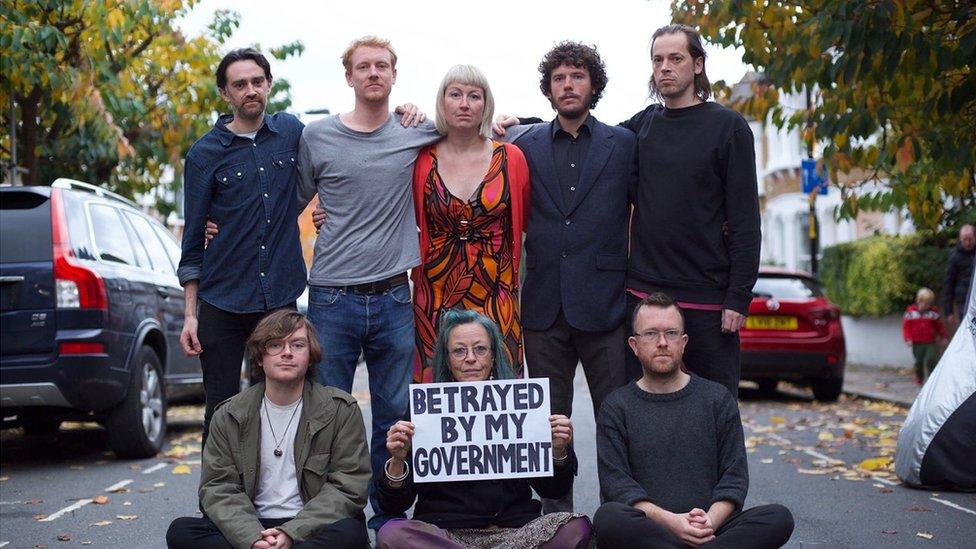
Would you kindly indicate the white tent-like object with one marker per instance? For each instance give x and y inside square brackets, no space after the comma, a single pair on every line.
[937,444]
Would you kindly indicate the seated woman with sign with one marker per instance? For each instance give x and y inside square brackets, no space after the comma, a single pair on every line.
[477,513]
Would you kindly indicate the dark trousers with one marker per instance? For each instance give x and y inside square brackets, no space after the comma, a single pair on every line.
[554,353]
[619,525]
[222,335]
[202,533]
[710,353]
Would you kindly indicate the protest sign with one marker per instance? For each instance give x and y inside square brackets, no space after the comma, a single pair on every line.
[481,430]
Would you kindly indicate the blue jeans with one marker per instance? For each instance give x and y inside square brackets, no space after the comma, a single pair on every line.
[380,326]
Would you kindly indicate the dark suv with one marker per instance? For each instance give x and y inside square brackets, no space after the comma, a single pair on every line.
[90,314]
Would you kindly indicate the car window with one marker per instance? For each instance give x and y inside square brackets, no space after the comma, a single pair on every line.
[142,258]
[158,255]
[782,287]
[169,242]
[25,213]
[111,240]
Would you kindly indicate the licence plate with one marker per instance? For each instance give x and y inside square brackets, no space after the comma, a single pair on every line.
[761,322]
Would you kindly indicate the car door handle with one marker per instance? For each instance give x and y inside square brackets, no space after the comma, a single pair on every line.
[11,279]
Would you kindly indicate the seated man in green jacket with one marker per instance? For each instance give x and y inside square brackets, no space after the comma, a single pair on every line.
[286,463]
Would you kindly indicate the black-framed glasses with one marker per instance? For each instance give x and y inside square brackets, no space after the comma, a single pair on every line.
[653,336]
[461,353]
[277,346]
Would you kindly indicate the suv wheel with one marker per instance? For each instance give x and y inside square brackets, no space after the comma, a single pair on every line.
[38,425]
[137,426]
[827,390]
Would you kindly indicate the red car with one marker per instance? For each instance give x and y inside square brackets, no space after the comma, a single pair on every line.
[793,333]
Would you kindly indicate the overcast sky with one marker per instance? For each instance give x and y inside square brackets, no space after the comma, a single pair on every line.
[505,39]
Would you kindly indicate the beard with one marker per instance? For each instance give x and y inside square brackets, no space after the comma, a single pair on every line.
[657,367]
[574,111]
[248,111]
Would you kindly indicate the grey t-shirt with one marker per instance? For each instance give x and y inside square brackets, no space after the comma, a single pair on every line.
[363,180]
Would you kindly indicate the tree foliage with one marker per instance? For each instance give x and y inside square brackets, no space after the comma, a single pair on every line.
[893,83]
[111,92]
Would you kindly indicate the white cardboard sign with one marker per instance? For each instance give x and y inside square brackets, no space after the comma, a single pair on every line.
[481,430]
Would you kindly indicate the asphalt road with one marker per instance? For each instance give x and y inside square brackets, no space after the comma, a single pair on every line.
[802,454]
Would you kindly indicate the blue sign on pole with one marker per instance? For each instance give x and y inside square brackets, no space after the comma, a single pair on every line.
[811,177]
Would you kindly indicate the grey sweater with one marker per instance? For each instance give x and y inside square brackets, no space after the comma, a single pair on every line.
[678,450]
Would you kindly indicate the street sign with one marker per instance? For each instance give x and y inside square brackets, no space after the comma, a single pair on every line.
[812,177]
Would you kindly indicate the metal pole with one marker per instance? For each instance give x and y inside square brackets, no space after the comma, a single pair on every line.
[13,141]
[812,223]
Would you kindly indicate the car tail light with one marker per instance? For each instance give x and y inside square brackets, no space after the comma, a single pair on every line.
[82,348]
[77,287]
[823,317]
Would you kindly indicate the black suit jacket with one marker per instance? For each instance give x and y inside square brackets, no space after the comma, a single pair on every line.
[576,253]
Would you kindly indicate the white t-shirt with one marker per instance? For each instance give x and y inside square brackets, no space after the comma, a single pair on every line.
[277,495]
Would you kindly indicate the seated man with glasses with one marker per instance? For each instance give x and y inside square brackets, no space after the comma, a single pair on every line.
[672,460]
[286,461]
[476,513]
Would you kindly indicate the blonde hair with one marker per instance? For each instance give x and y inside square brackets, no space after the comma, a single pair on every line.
[925,294]
[468,75]
[369,42]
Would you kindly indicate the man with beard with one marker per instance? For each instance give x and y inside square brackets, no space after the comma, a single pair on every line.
[695,233]
[671,455]
[576,239]
[241,175]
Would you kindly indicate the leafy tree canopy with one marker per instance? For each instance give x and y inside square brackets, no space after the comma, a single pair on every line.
[894,90]
[111,92]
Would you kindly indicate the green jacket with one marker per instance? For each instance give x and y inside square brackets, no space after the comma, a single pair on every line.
[331,464]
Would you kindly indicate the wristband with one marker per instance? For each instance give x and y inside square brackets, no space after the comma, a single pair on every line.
[391,478]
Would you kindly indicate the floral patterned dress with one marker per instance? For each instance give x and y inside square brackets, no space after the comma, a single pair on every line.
[468,264]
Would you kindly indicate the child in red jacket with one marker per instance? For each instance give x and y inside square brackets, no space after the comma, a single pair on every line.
[922,327]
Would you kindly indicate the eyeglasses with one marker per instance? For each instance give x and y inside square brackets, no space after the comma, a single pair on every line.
[654,336]
[277,346]
[461,353]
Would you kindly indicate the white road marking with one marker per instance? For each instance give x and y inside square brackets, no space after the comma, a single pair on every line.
[818,455]
[74,506]
[10,503]
[4,543]
[885,481]
[155,468]
[118,485]
[942,501]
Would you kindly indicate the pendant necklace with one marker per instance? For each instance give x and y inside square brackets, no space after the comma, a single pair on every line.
[277,450]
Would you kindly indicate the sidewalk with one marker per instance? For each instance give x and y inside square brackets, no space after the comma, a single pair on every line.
[887,383]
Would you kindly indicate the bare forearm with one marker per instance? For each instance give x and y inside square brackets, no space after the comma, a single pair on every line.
[719,512]
[652,511]
[190,299]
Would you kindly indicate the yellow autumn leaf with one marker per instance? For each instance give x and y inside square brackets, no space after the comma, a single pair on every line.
[777,420]
[825,436]
[100,500]
[875,464]
[115,18]
[181,469]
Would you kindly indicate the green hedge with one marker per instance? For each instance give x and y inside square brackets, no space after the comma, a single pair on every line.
[879,275]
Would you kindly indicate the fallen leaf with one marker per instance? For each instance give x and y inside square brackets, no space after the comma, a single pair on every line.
[119,490]
[159,485]
[127,517]
[886,490]
[924,535]
[848,433]
[86,542]
[812,471]
[825,436]
[177,452]
[886,531]
[100,500]
[875,464]
[135,466]
[64,537]
[777,420]
[2,479]
[101,523]
[767,460]
[76,467]
[33,501]
[101,462]
[917,509]
[182,469]
[126,503]
[40,516]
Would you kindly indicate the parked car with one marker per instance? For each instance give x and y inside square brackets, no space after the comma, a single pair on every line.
[793,333]
[90,314]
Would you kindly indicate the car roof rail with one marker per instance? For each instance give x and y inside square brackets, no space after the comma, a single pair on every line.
[73,184]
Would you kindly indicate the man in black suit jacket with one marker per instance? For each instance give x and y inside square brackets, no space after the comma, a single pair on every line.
[582,172]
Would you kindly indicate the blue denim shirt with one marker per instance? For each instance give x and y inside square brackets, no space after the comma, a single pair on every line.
[249,189]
